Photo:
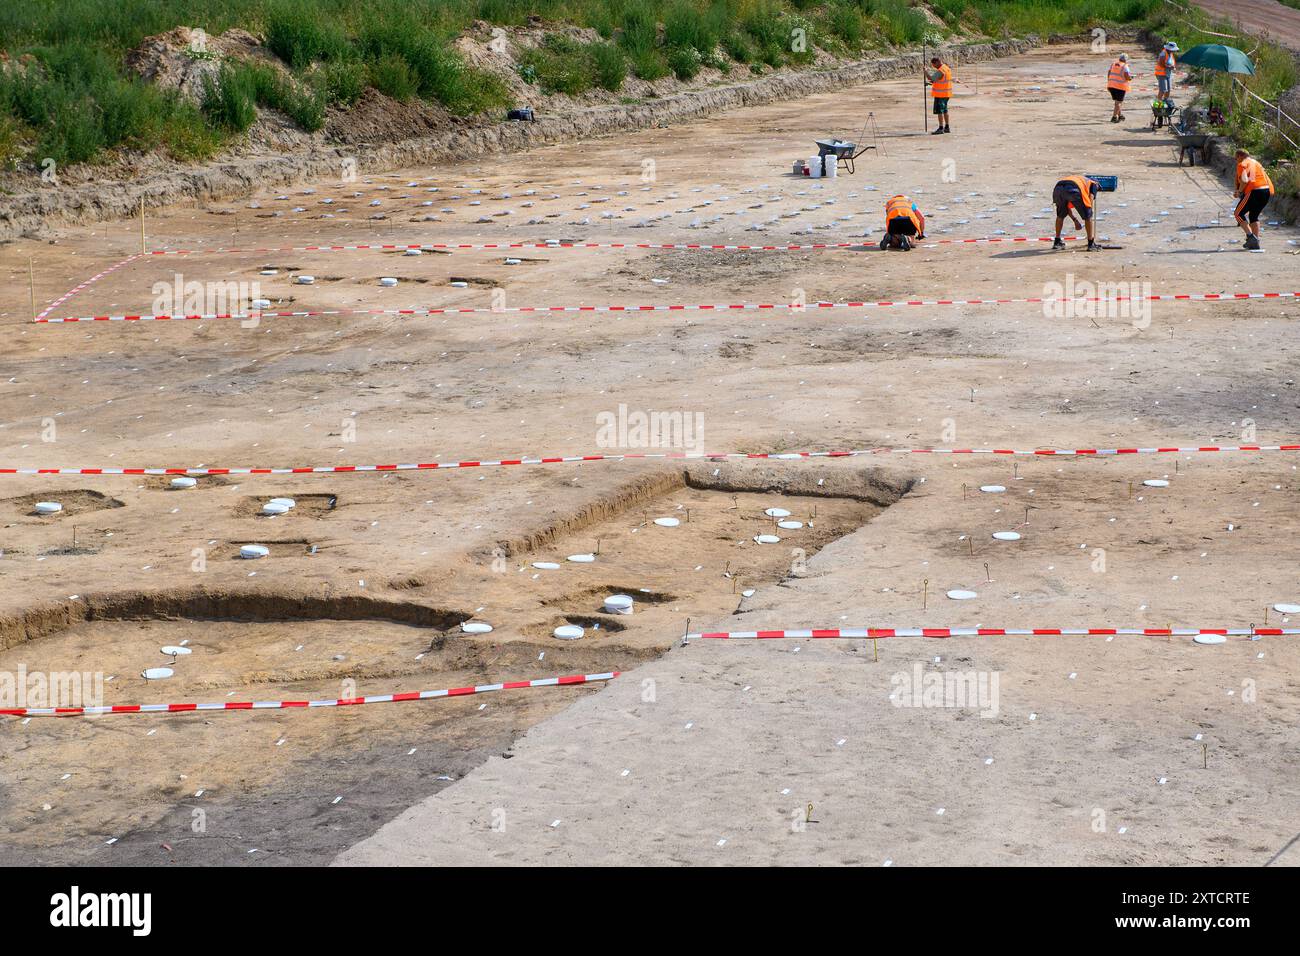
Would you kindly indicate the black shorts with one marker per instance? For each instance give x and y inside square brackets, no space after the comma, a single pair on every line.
[1117,95]
[901,226]
[1065,195]
[1251,206]
[940,105]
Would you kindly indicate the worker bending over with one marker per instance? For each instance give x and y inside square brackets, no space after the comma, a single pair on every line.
[903,223]
[1117,81]
[1074,196]
[939,76]
[1255,189]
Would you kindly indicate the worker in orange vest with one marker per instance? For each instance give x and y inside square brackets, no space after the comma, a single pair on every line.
[1165,63]
[1117,81]
[1255,189]
[1075,196]
[939,77]
[903,223]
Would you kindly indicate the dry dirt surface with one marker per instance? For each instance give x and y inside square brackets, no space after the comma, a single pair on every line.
[1128,750]
[1277,21]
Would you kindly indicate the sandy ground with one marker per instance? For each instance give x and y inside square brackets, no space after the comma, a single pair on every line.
[1277,21]
[721,741]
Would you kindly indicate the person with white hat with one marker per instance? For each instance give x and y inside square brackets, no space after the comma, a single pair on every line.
[1165,64]
[1117,81]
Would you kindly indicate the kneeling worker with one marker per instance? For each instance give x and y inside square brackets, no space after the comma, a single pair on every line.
[1255,189]
[903,223]
[1074,196]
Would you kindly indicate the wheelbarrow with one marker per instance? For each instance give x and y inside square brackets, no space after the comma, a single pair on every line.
[1190,140]
[1162,113]
[844,153]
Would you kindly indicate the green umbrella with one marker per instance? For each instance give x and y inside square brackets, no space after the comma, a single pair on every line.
[1216,56]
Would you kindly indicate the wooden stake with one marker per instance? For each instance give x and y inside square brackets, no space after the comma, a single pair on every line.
[924,112]
[875,650]
[987,577]
[970,539]
[142,245]
[1205,758]
[31,284]
[925,592]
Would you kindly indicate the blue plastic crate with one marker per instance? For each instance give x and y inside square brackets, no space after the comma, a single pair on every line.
[1105,184]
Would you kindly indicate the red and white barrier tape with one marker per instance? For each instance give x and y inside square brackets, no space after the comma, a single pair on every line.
[650,456]
[691,246]
[884,632]
[78,288]
[688,307]
[291,704]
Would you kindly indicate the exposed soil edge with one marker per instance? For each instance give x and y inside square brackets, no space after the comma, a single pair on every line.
[873,485]
[218,605]
[28,213]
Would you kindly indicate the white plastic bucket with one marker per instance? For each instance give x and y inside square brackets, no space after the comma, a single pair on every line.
[618,604]
[253,551]
[48,507]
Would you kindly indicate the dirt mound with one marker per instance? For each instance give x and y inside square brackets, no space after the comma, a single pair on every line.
[187,58]
[376,118]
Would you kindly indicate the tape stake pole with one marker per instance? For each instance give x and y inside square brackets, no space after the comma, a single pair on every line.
[31,285]
[143,248]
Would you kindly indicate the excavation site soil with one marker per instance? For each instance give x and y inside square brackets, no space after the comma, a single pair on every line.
[1096,749]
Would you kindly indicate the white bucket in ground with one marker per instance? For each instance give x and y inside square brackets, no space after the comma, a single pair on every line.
[1287,608]
[789,525]
[287,502]
[48,507]
[567,632]
[305,280]
[960,595]
[1210,639]
[261,303]
[667,522]
[582,558]
[1007,535]
[513,261]
[1156,483]
[272,509]
[388,281]
[252,551]
[460,285]
[767,539]
[413,252]
[184,482]
[157,673]
[777,513]
[545,565]
[618,604]
[175,650]
[993,489]
[476,627]
[269,272]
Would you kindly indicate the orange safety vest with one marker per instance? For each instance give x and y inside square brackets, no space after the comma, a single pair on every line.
[1085,187]
[1164,63]
[942,87]
[1115,79]
[901,206]
[1251,175]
